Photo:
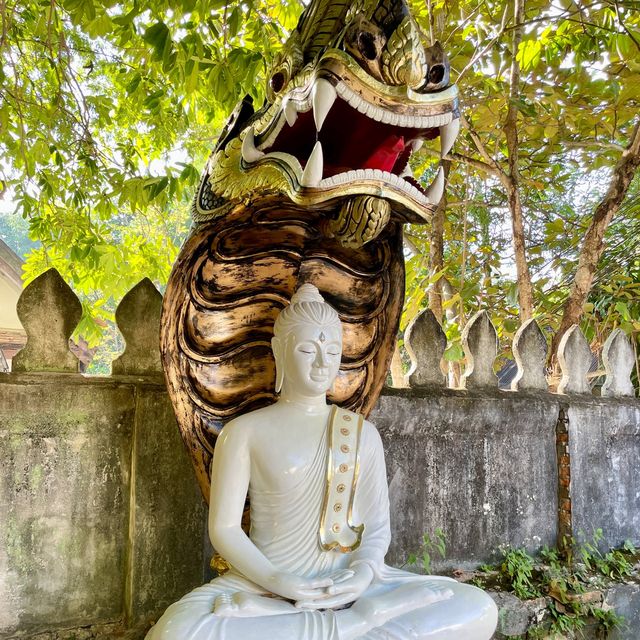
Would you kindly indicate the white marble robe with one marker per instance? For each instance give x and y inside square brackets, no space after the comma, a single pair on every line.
[285,528]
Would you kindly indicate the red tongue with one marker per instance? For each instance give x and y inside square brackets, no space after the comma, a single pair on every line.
[385,156]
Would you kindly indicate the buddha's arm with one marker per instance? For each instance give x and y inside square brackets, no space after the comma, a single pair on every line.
[229,484]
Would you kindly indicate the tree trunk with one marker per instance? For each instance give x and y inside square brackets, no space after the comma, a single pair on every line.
[397,374]
[436,252]
[593,243]
[512,180]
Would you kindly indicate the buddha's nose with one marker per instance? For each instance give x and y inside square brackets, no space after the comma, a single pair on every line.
[321,360]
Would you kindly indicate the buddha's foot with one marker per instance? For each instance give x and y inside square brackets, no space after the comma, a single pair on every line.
[403,599]
[250,605]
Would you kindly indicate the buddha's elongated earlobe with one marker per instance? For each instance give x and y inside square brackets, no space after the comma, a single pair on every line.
[276,347]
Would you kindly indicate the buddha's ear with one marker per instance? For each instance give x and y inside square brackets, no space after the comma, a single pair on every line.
[278,355]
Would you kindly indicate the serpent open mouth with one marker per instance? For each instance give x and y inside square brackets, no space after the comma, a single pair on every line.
[332,136]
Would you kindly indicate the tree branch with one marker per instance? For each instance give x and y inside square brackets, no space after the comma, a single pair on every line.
[593,244]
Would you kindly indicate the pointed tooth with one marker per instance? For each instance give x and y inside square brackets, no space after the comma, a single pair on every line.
[324,95]
[313,171]
[416,145]
[448,135]
[406,172]
[249,151]
[290,112]
[435,191]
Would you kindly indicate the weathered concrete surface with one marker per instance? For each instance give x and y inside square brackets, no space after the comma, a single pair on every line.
[625,599]
[619,360]
[515,616]
[530,354]
[574,358]
[480,466]
[138,318]
[77,453]
[169,514]
[425,342]
[480,344]
[64,495]
[49,312]
[113,631]
[604,445]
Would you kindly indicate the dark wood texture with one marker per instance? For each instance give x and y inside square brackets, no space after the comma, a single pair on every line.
[232,278]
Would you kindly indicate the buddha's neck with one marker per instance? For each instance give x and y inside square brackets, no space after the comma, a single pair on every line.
[308,404]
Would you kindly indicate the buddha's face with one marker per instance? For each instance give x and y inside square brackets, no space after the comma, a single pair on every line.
[312,358]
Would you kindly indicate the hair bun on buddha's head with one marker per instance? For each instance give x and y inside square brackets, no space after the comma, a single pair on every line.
[307,307]
[307,293]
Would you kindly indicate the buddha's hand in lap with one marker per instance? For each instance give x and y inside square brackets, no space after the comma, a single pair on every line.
[348,586]
[293,587]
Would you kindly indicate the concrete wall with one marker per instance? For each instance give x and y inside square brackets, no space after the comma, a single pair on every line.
[482,467]
[102,524]
[102,519]
[604,445]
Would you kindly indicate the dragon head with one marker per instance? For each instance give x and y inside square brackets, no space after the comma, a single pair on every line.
[352,94]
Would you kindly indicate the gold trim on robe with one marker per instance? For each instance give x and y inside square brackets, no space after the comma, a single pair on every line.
[337,530]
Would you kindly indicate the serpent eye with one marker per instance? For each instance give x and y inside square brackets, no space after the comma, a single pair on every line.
[278,81]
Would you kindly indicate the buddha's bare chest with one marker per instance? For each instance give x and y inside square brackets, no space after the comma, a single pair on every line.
[280,464]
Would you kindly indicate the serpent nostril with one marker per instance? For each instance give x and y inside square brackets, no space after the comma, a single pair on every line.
[436,73]
[367,45]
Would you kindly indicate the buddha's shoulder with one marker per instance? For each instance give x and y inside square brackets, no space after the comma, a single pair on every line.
[248,422]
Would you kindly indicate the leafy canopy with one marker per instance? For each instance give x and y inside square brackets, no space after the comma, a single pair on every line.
[110,108]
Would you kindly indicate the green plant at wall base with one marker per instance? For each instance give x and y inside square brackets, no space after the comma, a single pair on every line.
[570,624]
[613,564]
[608,619]
[569,586]
[430,546]
[518,568]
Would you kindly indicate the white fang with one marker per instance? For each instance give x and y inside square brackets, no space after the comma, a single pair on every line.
[290,112]
[448,134]
[313,171]
[249,151]
[435,191]
[324,95]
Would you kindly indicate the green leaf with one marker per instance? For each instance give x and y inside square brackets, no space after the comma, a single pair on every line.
[159,37]
[454,352]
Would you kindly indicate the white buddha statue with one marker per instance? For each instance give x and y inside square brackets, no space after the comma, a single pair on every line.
[312,567]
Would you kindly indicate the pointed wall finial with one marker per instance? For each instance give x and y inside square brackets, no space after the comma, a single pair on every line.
[480,344]
[49,311]
[575,358]
[425,343]
[138,318]
[530,353]
[619,360]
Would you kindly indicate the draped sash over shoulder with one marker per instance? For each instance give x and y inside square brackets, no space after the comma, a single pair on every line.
[285,525]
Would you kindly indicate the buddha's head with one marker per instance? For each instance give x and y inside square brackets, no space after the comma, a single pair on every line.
[307,344]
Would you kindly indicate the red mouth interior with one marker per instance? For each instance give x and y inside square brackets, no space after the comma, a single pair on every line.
[351,140]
